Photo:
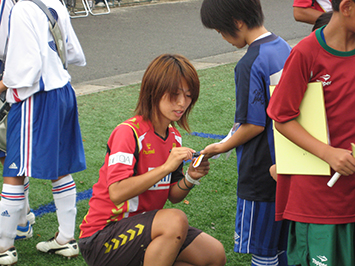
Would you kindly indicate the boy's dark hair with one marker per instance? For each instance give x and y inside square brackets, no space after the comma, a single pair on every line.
[164,76]
[221,15]
[336,4]
[322,20]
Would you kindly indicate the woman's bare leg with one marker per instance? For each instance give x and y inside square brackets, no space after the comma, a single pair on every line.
[169,230]
[205,250]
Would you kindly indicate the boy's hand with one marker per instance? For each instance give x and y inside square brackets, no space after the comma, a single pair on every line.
[272,171]
[211,150]
[340,160]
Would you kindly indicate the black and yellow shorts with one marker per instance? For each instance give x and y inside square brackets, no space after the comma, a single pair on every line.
[124,242]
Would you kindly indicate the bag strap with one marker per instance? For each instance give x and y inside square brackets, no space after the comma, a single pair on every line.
[45,9]
[57,33]
[54,29]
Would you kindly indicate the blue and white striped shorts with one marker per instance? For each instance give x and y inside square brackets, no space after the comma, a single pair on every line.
[43,136]
[256,231]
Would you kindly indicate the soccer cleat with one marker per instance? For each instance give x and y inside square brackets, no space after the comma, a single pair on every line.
[31,217]
[9,257]
[24,232]
[69,250]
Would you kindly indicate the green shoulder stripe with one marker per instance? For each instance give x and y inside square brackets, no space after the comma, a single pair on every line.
[329,49]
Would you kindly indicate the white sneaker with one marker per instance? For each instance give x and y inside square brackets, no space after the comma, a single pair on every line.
[31,217]
[9,257]
[69,250]
[24,232]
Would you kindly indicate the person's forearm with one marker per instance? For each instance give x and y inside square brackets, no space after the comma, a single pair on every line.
[136,185]
[243,134]
[307,15]
[340,160]
[180,190]
[298,135]
[2,87]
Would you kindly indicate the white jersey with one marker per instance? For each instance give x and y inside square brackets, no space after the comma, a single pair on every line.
[5,7]
[32,63]
[326,5]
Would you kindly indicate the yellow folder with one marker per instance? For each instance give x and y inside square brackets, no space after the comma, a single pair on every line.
[292,159]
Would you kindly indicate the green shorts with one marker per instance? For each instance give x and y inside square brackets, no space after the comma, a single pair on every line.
[321,244]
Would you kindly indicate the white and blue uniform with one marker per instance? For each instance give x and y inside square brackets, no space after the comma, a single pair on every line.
[5,8]
[256,230]
[43,138]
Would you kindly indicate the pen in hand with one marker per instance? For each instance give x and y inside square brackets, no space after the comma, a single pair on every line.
[334,179]
[336,176]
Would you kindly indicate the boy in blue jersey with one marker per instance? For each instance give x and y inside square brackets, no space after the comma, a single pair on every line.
[240,22]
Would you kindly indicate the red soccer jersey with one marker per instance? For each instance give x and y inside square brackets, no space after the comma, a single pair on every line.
[133,149]
[320,5]
[308,198]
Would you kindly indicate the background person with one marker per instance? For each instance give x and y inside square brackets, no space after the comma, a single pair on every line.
[309,10]
[49,145]
[24,229]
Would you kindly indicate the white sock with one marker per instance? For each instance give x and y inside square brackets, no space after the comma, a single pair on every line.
[23,216]
[11,205]
[264,261]
[64,195]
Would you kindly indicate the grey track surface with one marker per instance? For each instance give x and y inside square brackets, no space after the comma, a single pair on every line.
[120,45]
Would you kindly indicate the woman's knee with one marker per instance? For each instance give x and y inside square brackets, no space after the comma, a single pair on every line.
[220,254]
[170,222]
[215,254]
[204,250]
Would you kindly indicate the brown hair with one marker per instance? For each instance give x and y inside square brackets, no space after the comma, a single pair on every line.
[164,75]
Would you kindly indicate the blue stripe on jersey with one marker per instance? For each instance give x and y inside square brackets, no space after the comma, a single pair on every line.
[2,10]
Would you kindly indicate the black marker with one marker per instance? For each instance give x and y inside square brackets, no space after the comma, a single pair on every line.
[194,155]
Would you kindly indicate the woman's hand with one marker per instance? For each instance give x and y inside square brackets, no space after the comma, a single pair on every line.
[176,157]
[200,171]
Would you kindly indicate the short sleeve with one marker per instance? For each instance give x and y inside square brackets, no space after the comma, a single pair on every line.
[122,154]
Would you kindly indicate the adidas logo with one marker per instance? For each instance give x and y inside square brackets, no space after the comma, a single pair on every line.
[13,166]
[5,213]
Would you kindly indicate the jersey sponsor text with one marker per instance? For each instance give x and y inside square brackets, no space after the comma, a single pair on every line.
[120,157]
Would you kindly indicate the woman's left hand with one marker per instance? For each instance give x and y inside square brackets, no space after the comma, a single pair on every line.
[200,171]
